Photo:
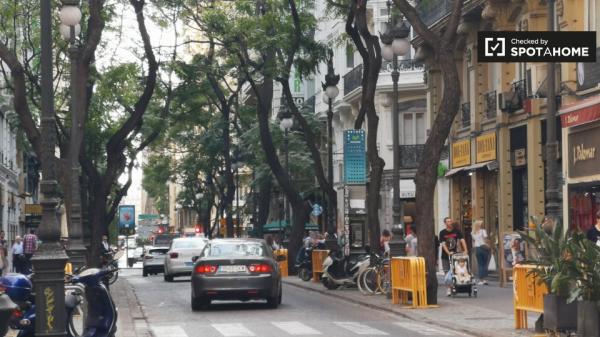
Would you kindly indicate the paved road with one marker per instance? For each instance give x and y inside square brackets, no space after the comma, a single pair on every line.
[302,313]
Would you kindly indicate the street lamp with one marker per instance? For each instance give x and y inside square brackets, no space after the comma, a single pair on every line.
[395,43]
[236,166]
[50,259]
[331,91]
[285,124]
[179,222]
[70,15]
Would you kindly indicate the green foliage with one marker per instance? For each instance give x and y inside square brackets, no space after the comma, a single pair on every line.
[553,257]
[157,173]
[586,268]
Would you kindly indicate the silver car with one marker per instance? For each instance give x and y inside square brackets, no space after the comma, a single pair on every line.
[154,260]
[178,261]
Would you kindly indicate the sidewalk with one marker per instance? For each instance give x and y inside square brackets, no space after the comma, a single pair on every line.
[131,321]
[489,315]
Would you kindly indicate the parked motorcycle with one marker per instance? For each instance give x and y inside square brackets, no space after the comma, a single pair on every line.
[111,260]
[101,315]
[340,270]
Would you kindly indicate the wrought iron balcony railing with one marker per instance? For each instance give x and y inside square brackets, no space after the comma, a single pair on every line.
[410,156]
[353,79]
[403,65]
[434,10]
[520,90]
[490,104]
[466,114]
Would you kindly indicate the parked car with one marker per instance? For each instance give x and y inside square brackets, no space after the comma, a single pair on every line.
[241,269]
[154,260]
[178,261]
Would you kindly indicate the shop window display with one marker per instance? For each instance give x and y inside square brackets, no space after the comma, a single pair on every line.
[583,206]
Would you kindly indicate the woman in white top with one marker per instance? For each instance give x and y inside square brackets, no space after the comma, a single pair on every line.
[482,250]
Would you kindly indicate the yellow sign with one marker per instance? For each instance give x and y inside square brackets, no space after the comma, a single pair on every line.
[34,209]
[486,147]
[461,153]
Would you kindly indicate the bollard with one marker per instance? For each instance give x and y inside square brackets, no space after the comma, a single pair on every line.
[397,244]
[282,259]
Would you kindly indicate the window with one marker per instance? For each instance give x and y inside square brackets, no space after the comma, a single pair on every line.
[413,128]
[233,249]
[349,56]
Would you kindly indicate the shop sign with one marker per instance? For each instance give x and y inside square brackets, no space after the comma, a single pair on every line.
[461,153]
[520,157]
[581,116]
[486,147]
[584,154]
[33,209]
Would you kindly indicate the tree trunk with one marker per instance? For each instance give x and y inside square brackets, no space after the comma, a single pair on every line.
[426,177]
[264,203]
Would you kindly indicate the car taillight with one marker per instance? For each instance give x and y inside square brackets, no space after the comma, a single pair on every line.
[148,257]
[260,268]
[205,269]
[174,255]
[16,314]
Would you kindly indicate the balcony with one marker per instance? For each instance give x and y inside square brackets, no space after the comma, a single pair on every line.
[490,104]
[403,65]
[520,90]
[410,156]
[465,114]
[412,72]
[434,10]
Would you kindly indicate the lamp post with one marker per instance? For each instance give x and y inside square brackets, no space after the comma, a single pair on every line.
[285,124]
[395,43]
[178,214]
[331,91]
[70,29]
[236,166]
[49,261]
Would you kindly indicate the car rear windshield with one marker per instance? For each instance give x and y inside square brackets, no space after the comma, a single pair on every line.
[228,249]
[188,244]
[158,251]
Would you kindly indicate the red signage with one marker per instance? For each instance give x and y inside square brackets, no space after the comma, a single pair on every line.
[586,114]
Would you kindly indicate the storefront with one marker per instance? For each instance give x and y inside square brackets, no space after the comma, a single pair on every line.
[581,128]
[460,185]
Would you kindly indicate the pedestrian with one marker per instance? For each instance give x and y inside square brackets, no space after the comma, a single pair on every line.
[481,242]
[271,243]
[384,242]
[18,257]
[29,248]
[411,242]
[593,234]
[450,238]
[3,254]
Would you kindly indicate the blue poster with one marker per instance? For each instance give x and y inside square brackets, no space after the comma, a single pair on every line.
[126,217]
[355,161]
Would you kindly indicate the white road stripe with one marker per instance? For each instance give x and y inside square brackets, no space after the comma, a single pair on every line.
[296,328]
[232,330]
[359,329]
[169,331]
[424,329]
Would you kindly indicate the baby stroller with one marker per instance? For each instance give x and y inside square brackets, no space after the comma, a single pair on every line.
[462,278]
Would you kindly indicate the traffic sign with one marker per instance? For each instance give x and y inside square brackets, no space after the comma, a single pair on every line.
[316,210]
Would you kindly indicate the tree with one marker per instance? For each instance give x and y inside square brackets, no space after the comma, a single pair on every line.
[443,44]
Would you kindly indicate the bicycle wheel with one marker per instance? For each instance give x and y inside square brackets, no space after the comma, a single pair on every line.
[370,281]
[360,282]
[384,281]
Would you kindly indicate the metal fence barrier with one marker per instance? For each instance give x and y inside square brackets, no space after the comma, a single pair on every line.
[318,256]
[408,278]
[528,294]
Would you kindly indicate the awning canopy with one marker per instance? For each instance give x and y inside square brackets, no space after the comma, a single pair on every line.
[280,225]
[581,112]
[490,165]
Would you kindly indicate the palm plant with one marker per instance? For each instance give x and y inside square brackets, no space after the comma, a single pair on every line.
[550,253]
[586,268]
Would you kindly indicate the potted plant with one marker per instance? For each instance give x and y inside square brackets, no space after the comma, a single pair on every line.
[586,272]
[549,251]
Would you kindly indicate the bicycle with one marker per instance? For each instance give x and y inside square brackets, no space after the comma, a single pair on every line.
[376,279]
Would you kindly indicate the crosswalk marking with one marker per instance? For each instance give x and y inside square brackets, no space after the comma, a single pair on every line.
[296,328]
[424,329]
[169,331]
[359,329]
[232,330]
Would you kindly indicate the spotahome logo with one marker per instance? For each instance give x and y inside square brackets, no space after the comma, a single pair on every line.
[536,46]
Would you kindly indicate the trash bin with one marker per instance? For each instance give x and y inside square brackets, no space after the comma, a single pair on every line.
[6,308]
[131,261]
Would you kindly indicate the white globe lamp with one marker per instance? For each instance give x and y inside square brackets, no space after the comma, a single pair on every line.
[70,15]
[401,47]
[65,31]
[387,52]
[332,91]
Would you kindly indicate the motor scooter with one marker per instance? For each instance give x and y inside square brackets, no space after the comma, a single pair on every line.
[304,263]
[101,317]
[340,270]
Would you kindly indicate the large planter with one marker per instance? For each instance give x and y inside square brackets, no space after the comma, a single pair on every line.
[588,319]
[558,314]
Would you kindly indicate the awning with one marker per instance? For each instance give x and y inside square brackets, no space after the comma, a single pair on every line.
[581,112]
[490,165]
[277,225]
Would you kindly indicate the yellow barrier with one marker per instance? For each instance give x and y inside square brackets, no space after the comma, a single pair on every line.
[283,265]
[318,256]
[528,294]
[408,277]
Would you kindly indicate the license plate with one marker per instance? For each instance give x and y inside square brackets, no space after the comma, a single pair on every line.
[189,264]
[232,269]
